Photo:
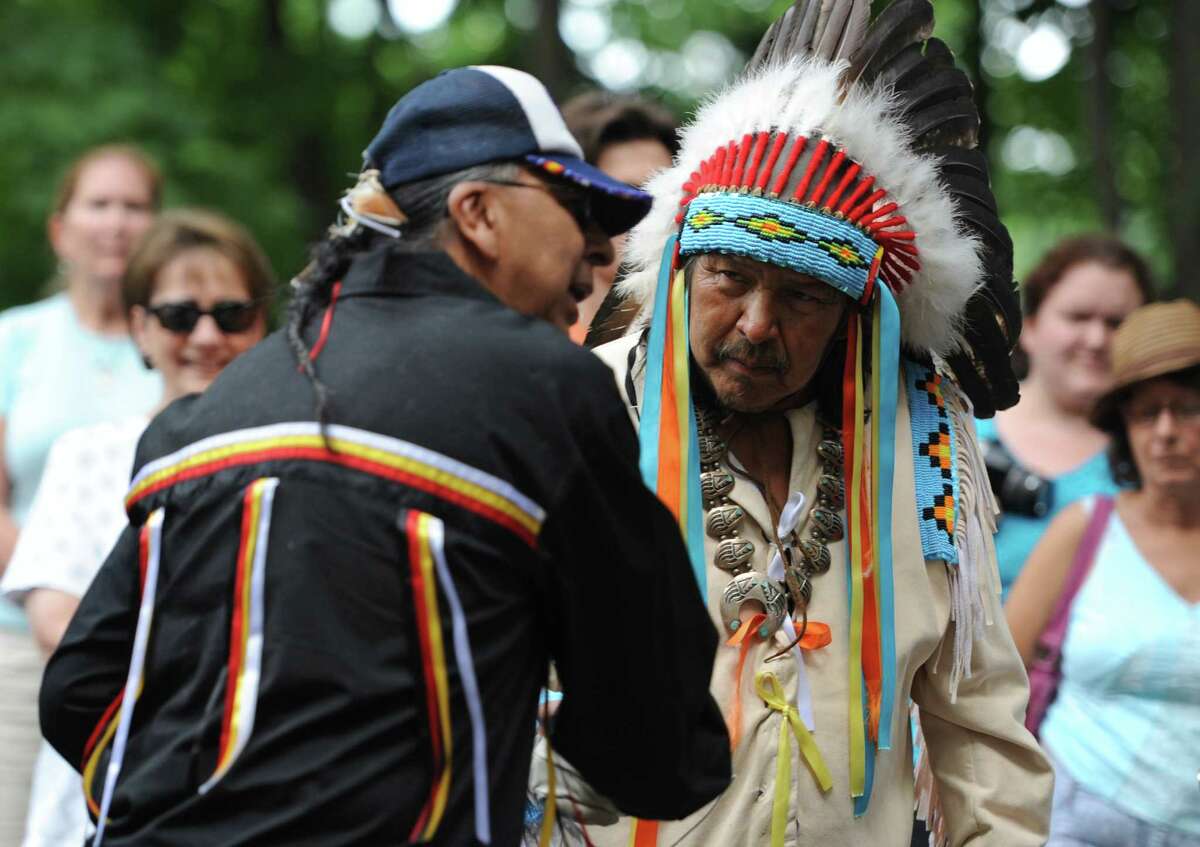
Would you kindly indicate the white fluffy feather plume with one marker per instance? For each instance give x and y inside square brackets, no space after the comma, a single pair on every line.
[803,97]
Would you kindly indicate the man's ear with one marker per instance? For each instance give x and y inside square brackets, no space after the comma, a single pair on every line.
[473,209]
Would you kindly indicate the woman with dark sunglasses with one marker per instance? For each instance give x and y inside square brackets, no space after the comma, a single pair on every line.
[197,289]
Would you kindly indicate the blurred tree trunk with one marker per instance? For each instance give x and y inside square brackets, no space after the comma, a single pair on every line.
[552,61]
[1183,188]
[1100,115]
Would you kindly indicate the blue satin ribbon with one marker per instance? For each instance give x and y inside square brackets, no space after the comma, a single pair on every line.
[649,428]
[655,355]
[888,373]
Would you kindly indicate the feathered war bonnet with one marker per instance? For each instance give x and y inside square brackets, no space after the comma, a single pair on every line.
[845,152]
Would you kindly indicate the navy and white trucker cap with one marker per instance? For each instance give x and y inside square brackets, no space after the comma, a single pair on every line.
[486,113]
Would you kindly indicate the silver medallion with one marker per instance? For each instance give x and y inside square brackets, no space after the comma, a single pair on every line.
[830,453]
[816,556]
[753,586]
[712,449]
[830,492]
[826,525]
[733,553]
[723,520]
[715,484]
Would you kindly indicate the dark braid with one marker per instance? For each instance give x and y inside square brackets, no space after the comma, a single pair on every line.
[424,203]
[312,290]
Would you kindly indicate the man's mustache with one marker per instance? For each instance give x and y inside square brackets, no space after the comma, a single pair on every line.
[769,355]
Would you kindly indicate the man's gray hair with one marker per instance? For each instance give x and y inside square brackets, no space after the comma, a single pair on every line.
[426,201]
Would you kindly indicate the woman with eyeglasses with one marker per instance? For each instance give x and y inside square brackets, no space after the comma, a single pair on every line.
[1121,577]
[65,361]
[197,290]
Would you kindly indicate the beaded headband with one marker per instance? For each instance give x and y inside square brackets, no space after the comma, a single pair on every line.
[808,208]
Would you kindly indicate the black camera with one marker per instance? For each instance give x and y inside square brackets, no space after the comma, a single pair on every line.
[1019,490]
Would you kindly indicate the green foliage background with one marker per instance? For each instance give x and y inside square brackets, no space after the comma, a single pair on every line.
[259,109]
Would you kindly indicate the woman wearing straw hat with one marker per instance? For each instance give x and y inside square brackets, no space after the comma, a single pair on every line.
[1124,728]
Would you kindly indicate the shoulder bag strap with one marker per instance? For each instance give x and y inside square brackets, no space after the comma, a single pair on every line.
[1055,632]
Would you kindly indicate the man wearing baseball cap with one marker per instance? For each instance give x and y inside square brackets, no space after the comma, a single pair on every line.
[349,562]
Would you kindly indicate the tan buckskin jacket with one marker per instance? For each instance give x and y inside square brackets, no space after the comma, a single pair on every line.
[993,780]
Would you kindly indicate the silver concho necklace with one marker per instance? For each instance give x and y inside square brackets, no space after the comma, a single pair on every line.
[802,561]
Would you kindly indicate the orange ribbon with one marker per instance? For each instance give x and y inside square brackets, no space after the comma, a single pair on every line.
[814,635]
[742,639]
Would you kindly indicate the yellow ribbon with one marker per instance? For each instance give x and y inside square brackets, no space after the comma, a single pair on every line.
[551,810]
[681,365]
[858,755]
[768,688]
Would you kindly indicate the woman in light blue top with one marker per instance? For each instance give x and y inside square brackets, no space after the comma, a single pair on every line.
[66,361]
[1125,728]
[1044,453]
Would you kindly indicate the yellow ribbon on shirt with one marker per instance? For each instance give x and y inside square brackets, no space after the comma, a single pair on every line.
[551,810]
[769,689]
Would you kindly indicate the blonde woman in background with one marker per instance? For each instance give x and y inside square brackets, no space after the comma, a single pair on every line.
[65,362]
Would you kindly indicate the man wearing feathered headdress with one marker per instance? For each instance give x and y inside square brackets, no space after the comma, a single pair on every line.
[827,299]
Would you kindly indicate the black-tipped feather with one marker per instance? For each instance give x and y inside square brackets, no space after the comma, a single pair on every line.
[913,62]
[899,25]
[904,66]
[939,86]
[985,372]
[973,383]
[971,187]
[953,123]
[986,221]
[960,160]
[938,54]
[1004,297]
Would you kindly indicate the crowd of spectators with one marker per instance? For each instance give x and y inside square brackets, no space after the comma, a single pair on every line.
[1096,471]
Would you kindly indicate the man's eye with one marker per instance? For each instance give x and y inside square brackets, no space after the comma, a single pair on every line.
[805,298]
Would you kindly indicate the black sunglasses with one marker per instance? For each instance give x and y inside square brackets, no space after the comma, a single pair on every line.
[576,201]
[230,315]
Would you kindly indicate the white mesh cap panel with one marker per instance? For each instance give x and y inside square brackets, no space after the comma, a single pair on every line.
[544,119]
